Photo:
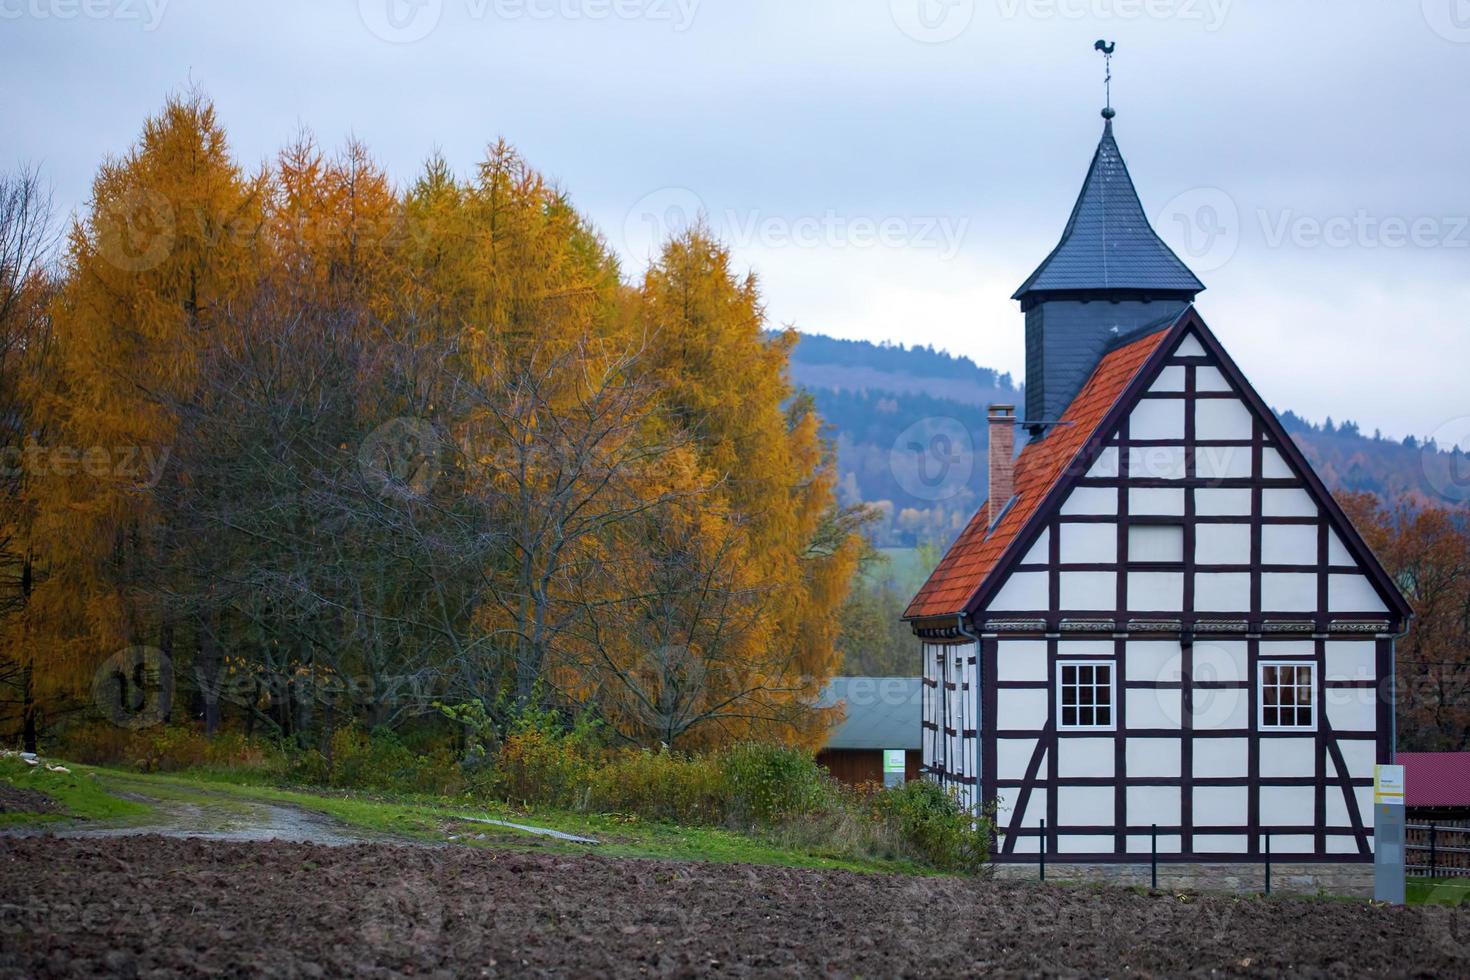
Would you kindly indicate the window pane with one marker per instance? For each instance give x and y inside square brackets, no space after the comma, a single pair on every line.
[1104,675]
[1270,716]
[1084,695]
[1069,674]
[1105,716]
[1268,674]
[1069,696]
[1304,676]
[1269,694]
[1069,716]
[1084,675]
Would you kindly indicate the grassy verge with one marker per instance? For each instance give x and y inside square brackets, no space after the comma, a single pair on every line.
[434,819]
[1437,891]
[78,795]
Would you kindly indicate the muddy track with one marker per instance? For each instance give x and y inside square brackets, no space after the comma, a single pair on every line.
[173,907]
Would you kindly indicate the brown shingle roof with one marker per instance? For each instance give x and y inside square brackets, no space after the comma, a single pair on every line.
[974,555]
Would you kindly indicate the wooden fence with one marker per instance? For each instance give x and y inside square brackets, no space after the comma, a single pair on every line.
[1437,850]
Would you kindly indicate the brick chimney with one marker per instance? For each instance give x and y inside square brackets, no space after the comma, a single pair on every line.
[1002,460]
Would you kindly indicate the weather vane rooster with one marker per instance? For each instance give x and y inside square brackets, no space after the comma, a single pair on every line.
[1107,47]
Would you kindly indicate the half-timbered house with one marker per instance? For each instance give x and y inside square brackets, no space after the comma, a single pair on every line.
[1160,626]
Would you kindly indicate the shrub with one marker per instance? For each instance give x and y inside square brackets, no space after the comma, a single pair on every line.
[769,784]
[933,823]
[660,785]
[542,761]
[380,760]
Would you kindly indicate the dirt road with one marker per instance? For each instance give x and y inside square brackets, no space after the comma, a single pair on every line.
[154,906]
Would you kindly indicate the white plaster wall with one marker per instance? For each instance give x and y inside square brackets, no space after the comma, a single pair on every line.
[1012,756]
[1337,553]
[1288,757]
[1220,843]
[1084,806]
[1090,543]
[1291,843]
[1105,467]
[1097,649]
[1222,462]
[1153,709]
[1040,552]
[1156,543]
[1021,710]
[1171,378]
[1221,758]
[1022,591]
[1153,660]
[1221,660]
[1222,544]
[1084,757]
[1293,502]
[1091,500]
[1209,378]
[1189,346]
[1289,544]
[1222,502]
[1226,709]
[1273,466]
[1220,806]
[1222,418]
[1352,709]
[1156,501]
[1035,808]
[1156,591]
[1350,660]
[1153,804]
[1084,844]
[1157,462]
[1360,755]
[1088,590]
[1020,660]
[1157,418]
[1143,844]
[1288,591]
[1337,812]
[1222,591]
[1353,593]
[1287,806]
[1158,757]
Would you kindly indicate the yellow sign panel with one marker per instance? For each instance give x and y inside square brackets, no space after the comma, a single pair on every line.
[1388,785]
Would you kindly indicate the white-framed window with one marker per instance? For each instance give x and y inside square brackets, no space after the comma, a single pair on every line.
[1287,694]
[1085,694]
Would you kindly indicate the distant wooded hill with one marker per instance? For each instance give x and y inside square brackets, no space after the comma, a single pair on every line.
[909,427]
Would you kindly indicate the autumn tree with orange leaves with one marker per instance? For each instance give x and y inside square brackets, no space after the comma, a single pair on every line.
[359,449]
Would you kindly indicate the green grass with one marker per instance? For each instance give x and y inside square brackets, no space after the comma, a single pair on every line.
[1437,891]
[437,819]
[80,795]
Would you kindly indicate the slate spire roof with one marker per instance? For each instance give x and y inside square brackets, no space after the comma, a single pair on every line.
[1108,244]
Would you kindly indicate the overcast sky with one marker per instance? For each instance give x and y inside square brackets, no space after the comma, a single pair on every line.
[892,169]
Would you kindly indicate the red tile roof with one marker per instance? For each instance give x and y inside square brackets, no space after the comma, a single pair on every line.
[1436,778]
[1040,466]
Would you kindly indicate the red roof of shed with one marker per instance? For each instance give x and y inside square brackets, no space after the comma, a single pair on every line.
[1436,778]
[1038,469]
